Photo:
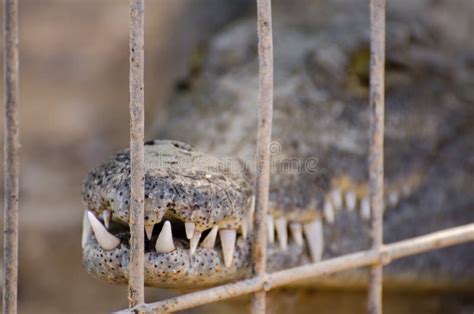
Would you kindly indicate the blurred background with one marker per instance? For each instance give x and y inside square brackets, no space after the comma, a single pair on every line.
[74,113]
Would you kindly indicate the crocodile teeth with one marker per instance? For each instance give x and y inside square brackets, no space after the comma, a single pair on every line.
[282,233]
[189,226]
[249,219]
[314,236]
[246,226]
[270,229]
[210,239]
[393,198]
[164,243]
[106,215]
[86,230]
[336,198]
[328,212]
[365,208]
[149,231]
[244,229]
[227,237]
[351,200]
[297,233]
[193,243]
[106,240]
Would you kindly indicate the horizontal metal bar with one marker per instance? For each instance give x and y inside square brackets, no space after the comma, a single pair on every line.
[389,252]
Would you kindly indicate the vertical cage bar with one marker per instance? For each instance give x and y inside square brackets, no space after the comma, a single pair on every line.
[376,172]
[11,163]
[265,115]
[137,126]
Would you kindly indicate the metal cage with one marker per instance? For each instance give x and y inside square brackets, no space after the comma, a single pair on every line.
[376,257]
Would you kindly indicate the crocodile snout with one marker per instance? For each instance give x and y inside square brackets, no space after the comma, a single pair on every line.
[197,210]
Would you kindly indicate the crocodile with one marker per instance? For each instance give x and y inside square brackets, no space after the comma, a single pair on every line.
[199,198]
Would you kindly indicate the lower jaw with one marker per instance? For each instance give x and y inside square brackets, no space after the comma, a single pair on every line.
[180,270]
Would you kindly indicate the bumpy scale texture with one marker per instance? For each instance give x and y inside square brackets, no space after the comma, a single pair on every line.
[321,111]
[179,181]
[319,154]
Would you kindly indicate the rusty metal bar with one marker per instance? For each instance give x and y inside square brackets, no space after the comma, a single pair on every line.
[265,113]
[11,163]
[376,172]
[137,126]
[385,255]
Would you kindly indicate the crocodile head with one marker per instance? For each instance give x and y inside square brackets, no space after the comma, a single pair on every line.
[198,213]
[199,208]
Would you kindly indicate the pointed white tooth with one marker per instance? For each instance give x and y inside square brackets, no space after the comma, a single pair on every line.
[106,240]
[210,239]
[249,225]
[270,229]
[351,200]
[328,211]
[247,222]
[149,231]
[393,198]
[106,216]
[244,228]
[193,243]
[227,237]
[297,232]
[313,232]
[189,226]
[86,230]
[250,215]
[164,243]
[365,208]
[252,204]
[336,199]
[280,225]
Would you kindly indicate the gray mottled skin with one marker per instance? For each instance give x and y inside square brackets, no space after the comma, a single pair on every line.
[179,270]
[321,111]
[180,182]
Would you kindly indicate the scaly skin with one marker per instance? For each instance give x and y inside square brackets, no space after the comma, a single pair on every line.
[181,185]
[321,112]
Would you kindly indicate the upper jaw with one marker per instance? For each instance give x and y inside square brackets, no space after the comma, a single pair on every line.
[180,182]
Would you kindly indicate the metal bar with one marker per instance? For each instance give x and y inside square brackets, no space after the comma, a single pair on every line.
[11,163]
[385,255]
[137,125]
[376,172]
[265,53]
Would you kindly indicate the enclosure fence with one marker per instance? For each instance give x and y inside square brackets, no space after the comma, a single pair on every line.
[11,164]
[136,290]
[376,257]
